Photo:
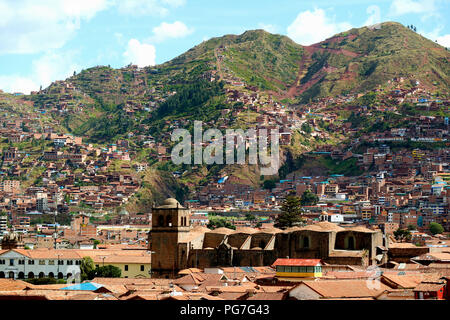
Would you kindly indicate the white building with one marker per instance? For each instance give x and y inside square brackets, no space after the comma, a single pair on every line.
[27,264]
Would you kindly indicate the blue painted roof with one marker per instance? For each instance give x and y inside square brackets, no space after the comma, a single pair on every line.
[86,286]
[248,269]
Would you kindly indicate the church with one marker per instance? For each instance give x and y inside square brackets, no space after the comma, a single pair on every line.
[175,245]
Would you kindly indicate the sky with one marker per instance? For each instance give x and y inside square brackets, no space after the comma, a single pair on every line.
[42,41]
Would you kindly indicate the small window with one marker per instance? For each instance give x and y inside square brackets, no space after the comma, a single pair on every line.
[305,242]
[31,262]
[11,262]
[42,262]
[161,221]
[51,262]
[69,262]
[142,267]
[60,262]
[126,267]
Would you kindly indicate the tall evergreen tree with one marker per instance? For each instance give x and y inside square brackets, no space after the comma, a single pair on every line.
[290,212]
[309,198]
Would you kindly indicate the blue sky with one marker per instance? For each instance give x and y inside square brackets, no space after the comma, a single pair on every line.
[46,40]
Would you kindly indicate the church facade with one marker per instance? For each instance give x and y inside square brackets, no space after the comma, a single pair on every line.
[176,246]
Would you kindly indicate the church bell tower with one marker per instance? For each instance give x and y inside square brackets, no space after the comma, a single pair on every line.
[170,225]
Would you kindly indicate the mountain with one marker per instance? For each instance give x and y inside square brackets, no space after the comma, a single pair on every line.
[104,104]
[362,59]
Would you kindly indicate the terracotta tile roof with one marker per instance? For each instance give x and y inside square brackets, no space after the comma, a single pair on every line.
[268,296]
[12,285]
[189,279]
[231,295]
[351,274]
[132,281]
[407,281]
[429,286]
[142,296]
[296,262]
[346,288]
[189,271]
[272,289]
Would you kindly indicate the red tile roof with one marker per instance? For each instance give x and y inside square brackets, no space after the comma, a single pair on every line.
[297,262]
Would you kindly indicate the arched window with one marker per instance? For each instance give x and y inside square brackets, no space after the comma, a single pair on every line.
[51,275]
[2,275]
[69,275]
[30,275]
[11,275]
[160,221]
[305,242]
[41,275]
[60,275]
[21,275]
[169,221]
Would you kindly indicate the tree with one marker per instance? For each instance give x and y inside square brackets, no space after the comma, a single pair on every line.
[402,234]
[96,243]
[306,128]
[309,198]
[436,228]
[411,227]
[269,184]
[86,268]
[290,212]
[250,217]
[107,271]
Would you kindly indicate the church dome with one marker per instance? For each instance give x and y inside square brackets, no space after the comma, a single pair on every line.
[170,203]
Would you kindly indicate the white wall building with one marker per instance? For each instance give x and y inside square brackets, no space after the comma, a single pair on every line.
[27,264]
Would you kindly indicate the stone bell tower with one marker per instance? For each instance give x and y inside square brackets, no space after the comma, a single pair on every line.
[170,226]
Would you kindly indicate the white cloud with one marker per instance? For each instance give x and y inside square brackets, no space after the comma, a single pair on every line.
[49,67]
[443,40]
[175,3]
[147,7]
[268,27]
[140,54]
[427,8]
[170,30]
[374,15]
[17,83]
[314,26]
[29,26]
